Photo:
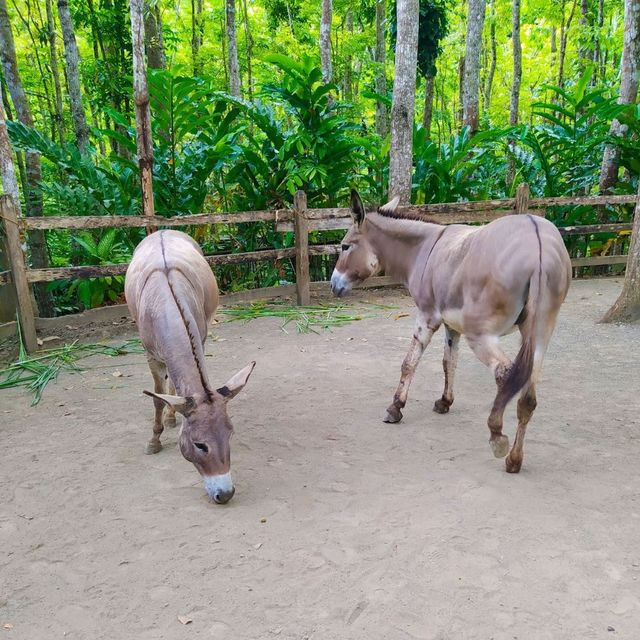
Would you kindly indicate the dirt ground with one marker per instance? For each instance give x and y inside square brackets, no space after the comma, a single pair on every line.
[342,526]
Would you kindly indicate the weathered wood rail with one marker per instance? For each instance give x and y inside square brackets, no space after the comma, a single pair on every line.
[300,220]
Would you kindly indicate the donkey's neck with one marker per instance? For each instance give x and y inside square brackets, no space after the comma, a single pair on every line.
[398,242]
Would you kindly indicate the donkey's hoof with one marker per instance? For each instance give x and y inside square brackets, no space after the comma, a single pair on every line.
[153,447]
[392,415]
[499,446]
[170,422]
[512,466]
[441,406]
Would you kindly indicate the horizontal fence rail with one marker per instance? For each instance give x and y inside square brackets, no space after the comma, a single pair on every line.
[300,220]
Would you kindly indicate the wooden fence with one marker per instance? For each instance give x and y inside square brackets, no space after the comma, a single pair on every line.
[301,220]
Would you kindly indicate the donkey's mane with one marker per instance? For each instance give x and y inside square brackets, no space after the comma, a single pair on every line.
[187,326]
[392,212]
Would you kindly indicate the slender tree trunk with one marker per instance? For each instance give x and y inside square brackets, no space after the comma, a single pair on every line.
[223,42]
[494,57]
[564,33]
[585,48]
[325,40]
[55,73]
[427,114]
[629,69]
[72,57]
[143,112]
[232,44]
[471,81]
[404,98]
[33,197]
[22,171]
[154,44]
[249,42]
[348,66]
[517,63]
[196,35]
[382,116]
[627,306]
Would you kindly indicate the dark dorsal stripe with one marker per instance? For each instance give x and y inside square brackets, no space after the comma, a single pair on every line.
[192,340]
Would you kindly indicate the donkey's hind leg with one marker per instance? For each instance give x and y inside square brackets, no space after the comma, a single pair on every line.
[158,371]
[422,335]
[449,363]
[526,406]
[488,351]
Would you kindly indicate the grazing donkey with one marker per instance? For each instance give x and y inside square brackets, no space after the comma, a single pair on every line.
[482,282]
[172,294]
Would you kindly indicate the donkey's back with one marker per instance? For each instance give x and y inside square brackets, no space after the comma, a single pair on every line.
[169,265]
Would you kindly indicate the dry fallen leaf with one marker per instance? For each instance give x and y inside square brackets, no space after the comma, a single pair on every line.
[400,315]
[263,520]
[117,374]
[257,546]
[7,626]
[184,620]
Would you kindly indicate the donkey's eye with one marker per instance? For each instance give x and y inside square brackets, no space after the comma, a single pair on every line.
[203,447]
[345,247]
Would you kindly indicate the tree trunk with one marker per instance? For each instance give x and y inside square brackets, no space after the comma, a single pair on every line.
[564,33]
[427,114]
[382,116]
[471,80]
[348,65]
[196,35]
[629,69]
[73,76]
[325,40]
[53,61]
[404,98]
[627,306]
[494,57]
[517,63]
[232,44]
[33,197]
[154,44]
[143,112]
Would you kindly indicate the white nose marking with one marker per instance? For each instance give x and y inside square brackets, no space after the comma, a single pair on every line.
[218,484]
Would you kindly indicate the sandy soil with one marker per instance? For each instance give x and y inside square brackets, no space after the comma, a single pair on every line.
[341,526]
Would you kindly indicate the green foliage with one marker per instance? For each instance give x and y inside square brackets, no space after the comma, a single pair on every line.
[433,27]
[568,144]
[455,170]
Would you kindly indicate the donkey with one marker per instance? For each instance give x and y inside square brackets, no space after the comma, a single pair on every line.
[483,282]
[172,294]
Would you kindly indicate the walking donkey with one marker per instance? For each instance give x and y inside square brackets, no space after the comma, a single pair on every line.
[172,294]
[482,282]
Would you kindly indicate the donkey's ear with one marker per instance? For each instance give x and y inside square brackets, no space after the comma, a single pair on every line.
[178,403]
[357,208]
[236,383]
[390,207]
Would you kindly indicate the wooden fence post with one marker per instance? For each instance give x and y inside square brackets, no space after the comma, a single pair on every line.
[9,215]
[522,198]
[301,229]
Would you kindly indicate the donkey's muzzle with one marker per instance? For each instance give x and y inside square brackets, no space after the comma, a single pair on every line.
[220,488]
[222,497]
[339,284]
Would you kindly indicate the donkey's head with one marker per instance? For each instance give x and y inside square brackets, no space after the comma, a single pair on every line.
[358,260]
[206,432]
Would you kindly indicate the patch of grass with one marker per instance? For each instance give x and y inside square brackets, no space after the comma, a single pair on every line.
[37,371]
[309,319]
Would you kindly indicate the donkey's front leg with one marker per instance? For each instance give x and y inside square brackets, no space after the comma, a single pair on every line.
[449,364]
[422,335]
[158,371]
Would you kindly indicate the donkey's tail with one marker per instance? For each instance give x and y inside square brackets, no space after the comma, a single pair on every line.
[519,373]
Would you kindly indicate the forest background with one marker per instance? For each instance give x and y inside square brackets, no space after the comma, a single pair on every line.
[252,100]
